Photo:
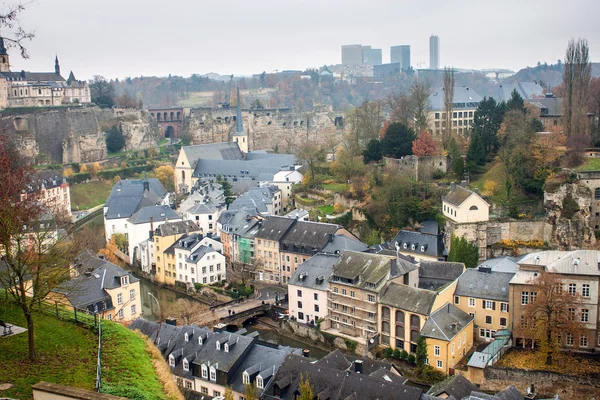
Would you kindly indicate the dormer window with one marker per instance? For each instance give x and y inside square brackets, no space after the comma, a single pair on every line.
[226,348]
[186,337]
[412,247]
[171,360]
[218,345]
[405,246]
[259,382]
[246,378]
[124,280]
[213,374]
[423,248]
[200,340]
[186,365]
[204,371]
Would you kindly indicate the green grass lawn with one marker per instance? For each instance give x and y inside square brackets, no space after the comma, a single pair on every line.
[90,194]
[590,164]
[496,172]
[67,355]
[328,209]
[336,187]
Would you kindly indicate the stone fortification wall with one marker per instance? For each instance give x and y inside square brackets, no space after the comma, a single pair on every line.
[75,134]
[266,129]
[419,168]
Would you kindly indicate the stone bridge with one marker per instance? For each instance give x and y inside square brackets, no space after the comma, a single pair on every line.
[169,120]
[240,317]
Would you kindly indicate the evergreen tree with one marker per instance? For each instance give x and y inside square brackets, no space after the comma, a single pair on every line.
[398,140]
[486,123]
[306,389]
[421,353]
[115,140]
[373,151]
[476,153]
[516,102]
[463,251]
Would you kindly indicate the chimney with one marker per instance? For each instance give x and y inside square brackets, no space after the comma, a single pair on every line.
[358,366]
[330,237]
[171,321]
[146,186]
[306,353]
[151,224]
[452,186]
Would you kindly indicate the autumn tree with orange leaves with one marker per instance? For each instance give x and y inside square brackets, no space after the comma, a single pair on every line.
[552,316]
[424,145]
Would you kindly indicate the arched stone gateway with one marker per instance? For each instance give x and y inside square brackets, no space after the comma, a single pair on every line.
[169,132]
[169,120]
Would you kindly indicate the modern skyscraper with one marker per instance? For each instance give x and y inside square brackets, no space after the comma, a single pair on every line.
[372,56]
[352,54]
[434,52]
[401,54]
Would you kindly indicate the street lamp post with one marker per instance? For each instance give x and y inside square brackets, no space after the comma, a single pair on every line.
[159,316]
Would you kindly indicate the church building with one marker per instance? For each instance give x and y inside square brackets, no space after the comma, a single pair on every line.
[37,89]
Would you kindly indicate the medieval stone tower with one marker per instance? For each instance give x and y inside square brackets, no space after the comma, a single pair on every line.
[240,136]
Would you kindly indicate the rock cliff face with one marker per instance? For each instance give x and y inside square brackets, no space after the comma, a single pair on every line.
[76,134]
[568,210]
[267,129]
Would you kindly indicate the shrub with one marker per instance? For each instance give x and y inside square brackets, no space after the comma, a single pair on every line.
[350,344]
[411,359]
[397,354]
[115,140]
[388,352]
[438,174]
[404,355]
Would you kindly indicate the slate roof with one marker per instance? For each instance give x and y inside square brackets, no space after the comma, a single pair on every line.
[297,214]
[425,244]
[462,95]
[334,384]
[575,262]
[404,297]
[306,236]
[475,282]
[274,228]
[175,228]
[510,393]
[435,274]
[341,243]
[257,197]
[128,195]
[187,241]
[90,287]
[430,227]
[458,195]
[335,360]
[527,90]
[32,76]
[549,107]
[439,324]
[202,208]
[457,386]
[318,265]
[233,220]
[251,167]
[46,179]
[198,253]
[213,151]
[501,264]
[156,213]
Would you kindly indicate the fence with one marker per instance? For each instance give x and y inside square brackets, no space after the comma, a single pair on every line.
[77,316]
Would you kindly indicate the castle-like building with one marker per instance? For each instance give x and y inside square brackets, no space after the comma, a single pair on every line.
[37,89]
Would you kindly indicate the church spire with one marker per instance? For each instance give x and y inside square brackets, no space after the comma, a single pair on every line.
[2,47]
[56,66]
[238,116]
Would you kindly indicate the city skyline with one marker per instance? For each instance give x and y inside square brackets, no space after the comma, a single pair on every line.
[133,38]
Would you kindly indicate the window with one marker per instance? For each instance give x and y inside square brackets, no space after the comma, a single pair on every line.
[300,315]
[316,308]
[246,378]
[132,294]
[524,298]
[452,349]
[171,361]
[335,290]
[204,390]
[343,292]
[186,365]
[585,290]
[216,393]
[597,193]
[124,280]
[489,305]
[109,317]
[204,372]
[133,309]
[299,293]
[121,314]
[440,364]
[471,302]
[259,382]
[532,296]
[583,341]
[436,350]
[569,339]
[371,315]
[371,298]
[504,307]
[571,314]
[316,296]
[572,289]
[585,315]
[456,300]
[300,304]
[188,384]
[488,319]
[213,374]
[352,294]
[119,298]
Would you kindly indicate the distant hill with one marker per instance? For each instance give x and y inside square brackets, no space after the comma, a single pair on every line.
[549,75]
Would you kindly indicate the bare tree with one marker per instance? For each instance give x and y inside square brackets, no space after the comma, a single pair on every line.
[576,80]
[365,122]
[448,102]
[311,155]
[420,105]
[12,32]
[400,108]
[551,316]
[189,312]
[34,261]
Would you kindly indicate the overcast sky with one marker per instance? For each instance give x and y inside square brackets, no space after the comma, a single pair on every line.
[120,38]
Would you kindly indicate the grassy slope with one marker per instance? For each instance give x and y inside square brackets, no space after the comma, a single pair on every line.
[91,194]
[496,172]
[590,164]
[67,355]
